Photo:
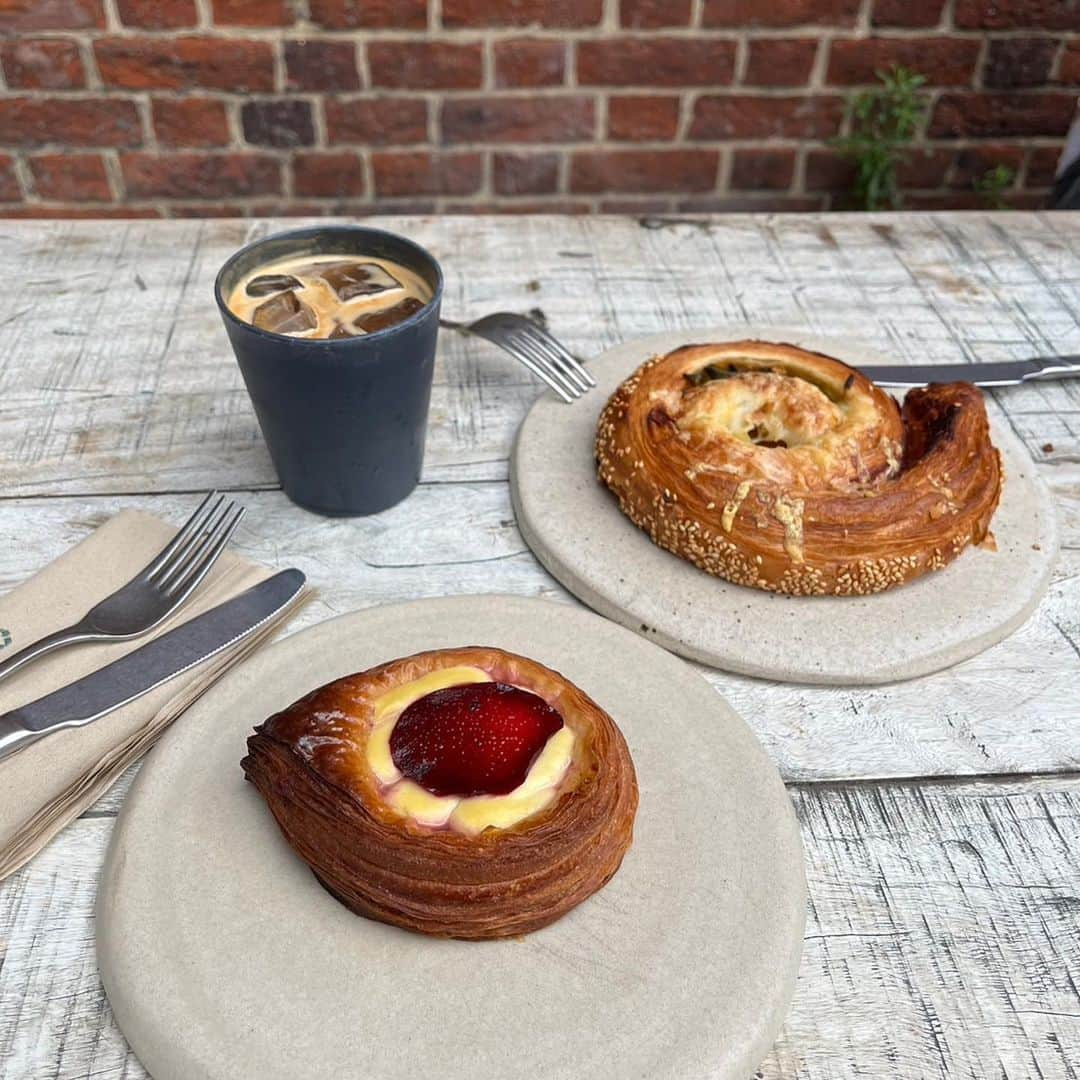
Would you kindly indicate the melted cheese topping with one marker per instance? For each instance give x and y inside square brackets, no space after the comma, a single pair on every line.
[474,813]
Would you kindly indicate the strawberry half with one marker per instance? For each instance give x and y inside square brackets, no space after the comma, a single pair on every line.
[474,739]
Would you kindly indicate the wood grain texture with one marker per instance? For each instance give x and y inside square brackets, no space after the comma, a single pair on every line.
[1010,710]
[941,940]
[943,935]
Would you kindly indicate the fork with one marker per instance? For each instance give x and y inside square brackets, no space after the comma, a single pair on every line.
[155,592]
[534,347]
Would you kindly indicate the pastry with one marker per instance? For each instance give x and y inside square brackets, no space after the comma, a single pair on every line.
[466,793]
[787,470]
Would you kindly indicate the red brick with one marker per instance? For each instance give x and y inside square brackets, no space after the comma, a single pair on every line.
[765,202]
[953,200]
[554,13]
[780,61]
[649,14]
[336,175]
[658,61]
[923,168]
[529,206]
[943,61]
[754,170]
[907,13]
[70,177]
[747,117]
[425,65]
[530,62]
[157,14]
[639,118]
[204,210]
[525,174]
[1042,166]
[597,171]
[1008,14]
[190,122]
[321,65]
[19,16]
[977,161]
[42,64]
[638,207]
[1015,62]
[196,63]
[79,212]
[69,122]
[253,13]
[376,122]
[828,171]
[1002,114]
[517,119]
[744,13]
[422,173]
[1069,71]
[282,123]
[369,14]
[195,176]
[9,183]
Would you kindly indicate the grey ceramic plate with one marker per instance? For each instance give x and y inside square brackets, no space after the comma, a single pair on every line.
[225,960]
[575,528]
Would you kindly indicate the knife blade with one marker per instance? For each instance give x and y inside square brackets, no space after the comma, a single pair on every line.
[1005,373]
[146,668]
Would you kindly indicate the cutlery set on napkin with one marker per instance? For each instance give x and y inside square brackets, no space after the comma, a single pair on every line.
[153,616]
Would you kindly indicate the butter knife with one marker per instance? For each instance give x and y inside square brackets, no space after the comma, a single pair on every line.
[146,668]
[1005,373]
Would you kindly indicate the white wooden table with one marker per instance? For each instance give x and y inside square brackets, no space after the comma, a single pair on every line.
[941,817]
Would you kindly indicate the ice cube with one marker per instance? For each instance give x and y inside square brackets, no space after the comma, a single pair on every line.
[265,284]
[377,320]
[284,314]
[352,279]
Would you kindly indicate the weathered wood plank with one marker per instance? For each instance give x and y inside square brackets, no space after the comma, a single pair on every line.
[1011,710]
[116,374]
[942,940]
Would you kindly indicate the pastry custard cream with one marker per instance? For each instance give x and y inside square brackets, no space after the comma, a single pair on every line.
[468,814]
[468,792]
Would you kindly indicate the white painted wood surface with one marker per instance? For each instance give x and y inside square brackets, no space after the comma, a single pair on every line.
[944,933]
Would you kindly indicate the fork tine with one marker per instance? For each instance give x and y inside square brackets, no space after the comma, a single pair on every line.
[198,544]
[558,356]
[183,534]
[192,577]
[527,345]
[567,357]
[536,369]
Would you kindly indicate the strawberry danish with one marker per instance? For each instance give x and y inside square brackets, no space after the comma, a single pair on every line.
[466,793]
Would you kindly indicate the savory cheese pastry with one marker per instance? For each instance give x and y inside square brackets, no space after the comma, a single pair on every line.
[790,471]
[466,793]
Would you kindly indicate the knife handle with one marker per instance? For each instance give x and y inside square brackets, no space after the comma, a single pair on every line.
[1052,367]
[68,636]
[13,736]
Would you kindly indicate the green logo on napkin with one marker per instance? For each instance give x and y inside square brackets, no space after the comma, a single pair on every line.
[5,638]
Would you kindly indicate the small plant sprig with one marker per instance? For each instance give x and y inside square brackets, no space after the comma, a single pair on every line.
[882,123]
[990,187]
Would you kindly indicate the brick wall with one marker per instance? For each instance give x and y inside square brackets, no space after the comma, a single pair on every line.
[200,107]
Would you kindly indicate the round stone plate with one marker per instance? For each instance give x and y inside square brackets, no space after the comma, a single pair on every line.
[575,528]
[224,959]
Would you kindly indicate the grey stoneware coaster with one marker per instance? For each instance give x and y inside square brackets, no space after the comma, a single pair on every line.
[224,959]
[575,528]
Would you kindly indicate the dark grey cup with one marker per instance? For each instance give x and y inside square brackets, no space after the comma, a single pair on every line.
[344,420]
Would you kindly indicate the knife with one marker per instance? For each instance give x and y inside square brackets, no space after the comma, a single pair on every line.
[1007,373]
[146,668]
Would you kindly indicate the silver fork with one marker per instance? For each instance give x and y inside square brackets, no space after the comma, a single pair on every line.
[156,591]
[534,347]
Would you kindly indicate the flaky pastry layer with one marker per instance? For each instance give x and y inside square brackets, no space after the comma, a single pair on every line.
[310,764]
[787,470]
